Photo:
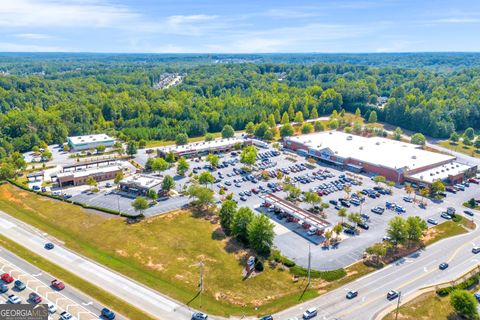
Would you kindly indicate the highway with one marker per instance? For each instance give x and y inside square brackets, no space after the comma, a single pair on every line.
[145,299]
[407,275]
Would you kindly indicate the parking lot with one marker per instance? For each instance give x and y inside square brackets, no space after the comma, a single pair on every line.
[292,238]
[67,300]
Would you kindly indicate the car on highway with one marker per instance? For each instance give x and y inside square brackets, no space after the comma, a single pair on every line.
[352,294]
[266,318]
[199,316]
[432,221]
[7,278]
[59,285]
[66,316]
[108,314]
[476,250]
[51,308]
[49,246]
[19,285]
[13,299]
[34,297]
[443,266]
[468,212]
[392,294]
[3,288]
[310,313]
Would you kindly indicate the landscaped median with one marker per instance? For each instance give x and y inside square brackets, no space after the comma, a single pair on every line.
[102,296]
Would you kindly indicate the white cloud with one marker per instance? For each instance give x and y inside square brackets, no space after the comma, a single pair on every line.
[18,47]
[33,36]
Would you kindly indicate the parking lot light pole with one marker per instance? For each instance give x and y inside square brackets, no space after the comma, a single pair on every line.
[309,264]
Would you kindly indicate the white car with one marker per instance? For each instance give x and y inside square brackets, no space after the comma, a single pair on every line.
[66,316]
[312,231]
[13,299]
[407,199]
[52,308]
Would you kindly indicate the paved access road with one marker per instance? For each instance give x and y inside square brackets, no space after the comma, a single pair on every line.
[69,299]
[407,275]
[124,288]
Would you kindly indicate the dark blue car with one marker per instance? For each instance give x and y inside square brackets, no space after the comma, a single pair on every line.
[108,314]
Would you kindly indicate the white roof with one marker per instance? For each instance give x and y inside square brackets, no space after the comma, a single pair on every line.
[90,138]
[441,172]
[89,171]
[204,145]
[376,150]
[143,180]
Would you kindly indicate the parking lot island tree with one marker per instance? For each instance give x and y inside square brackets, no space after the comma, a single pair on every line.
[170,157]
[202,197]
[379,179]
[342,213]
[260,234]
[90,181]
[182,166]
[397,230]
[213,159]
[376,252]
[205,178]
[140,204]
[312,198]
[168,183]
[118,177]
[464,304]
[437,186]
[248,156]
[228,131]
[424,192]
[241,219]
[152,195]
[227,212]
[337,229]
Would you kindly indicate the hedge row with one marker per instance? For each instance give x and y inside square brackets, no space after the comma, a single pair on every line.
[470,282]
[83,205]
[299,271]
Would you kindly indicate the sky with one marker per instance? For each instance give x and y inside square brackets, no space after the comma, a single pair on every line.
[241,26]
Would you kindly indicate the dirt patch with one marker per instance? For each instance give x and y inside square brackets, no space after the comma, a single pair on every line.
[123,253]
[155,266]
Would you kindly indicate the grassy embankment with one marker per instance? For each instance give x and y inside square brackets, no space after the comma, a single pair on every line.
[460,147]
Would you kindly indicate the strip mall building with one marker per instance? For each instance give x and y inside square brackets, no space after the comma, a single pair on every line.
[395,160]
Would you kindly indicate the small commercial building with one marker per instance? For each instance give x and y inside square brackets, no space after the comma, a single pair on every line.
[79,143]
[140,184]
[203,148]
[395,160]
[450,174]
[79,177]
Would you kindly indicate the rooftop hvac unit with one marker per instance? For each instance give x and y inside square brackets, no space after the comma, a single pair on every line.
[414,157]
[377,143]
[361,148]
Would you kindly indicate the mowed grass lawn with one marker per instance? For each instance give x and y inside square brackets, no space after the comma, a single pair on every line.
[447,229]
[164,253]
[428,306]
[460,147]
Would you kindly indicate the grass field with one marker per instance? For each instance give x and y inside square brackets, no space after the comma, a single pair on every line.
[448,229]
[164,253]
[95,292]
[428,306]
[161,143]
[460,147]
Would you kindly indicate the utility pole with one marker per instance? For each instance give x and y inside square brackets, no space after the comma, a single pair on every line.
[398,304]
[201,281]
[309,264]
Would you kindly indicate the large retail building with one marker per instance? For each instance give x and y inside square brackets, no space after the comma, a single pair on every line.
[395,160]
[92,141]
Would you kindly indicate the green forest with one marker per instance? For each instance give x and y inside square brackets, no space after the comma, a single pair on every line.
[46,97]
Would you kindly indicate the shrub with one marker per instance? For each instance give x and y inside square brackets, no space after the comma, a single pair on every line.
[470,282]
[259,267]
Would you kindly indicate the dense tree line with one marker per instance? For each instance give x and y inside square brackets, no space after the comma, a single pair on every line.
[46,98]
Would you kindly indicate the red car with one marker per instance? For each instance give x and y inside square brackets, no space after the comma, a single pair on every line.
[35,298]
[7,278]
[473,180]
[59,285]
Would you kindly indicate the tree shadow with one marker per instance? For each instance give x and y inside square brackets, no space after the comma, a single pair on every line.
[234,246]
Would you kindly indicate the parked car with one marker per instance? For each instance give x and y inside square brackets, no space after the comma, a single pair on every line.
[310,313]
[3,288]
[445,215]
[432,221]
[352,294]
[378,210]
[468,212]
[13,299]
[407,199]
[108,314]
[266,318]
[19,285]
[392,294]
[34,297]
[66,316]
[363,225]
[7,278]
[51,308]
